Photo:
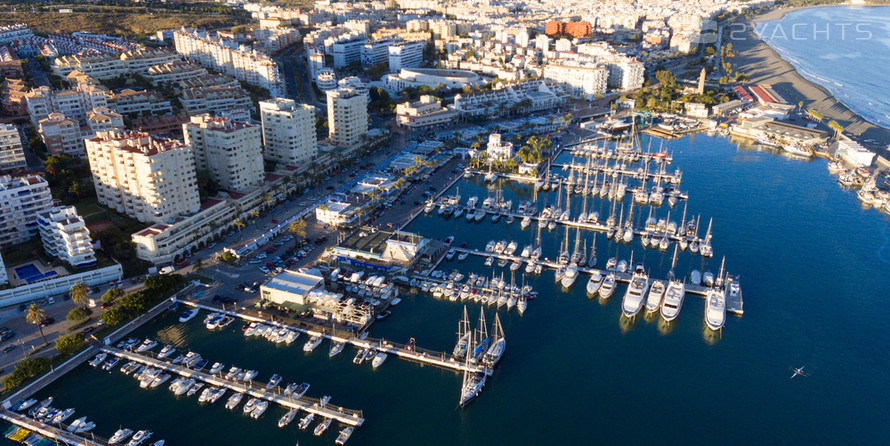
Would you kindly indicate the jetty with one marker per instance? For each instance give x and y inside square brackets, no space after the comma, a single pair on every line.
[48,431]
[307,404]
[733,304]
[403,351]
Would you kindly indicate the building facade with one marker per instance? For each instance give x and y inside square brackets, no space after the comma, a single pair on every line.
[289,132]
[12,152]
[21,200]
[427,112]
[65,236]
[347,116]
[230,151]
[148,178]
[405,55]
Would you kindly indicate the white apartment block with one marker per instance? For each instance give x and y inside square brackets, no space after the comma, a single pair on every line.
[376,52]
[347,116]
[65,236]
[149,178]
[21,200]
[289,132]
[405,55]
[102,66]
[12,153]
[61,134]
[214,99]
[102,119]
[531,95]
[625,74]
[140,61]
[498,149]
[427,112]
[221,55]
[326,80]
[230,151]
[174,72]
[19,31]
[584,82]
[72,103]
[348,51]
[133,102]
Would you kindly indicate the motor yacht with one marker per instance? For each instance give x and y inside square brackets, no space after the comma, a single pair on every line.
[189,315]
[594,283]
[306,421]
[119,436]
[673,300]
[656,294]
[139,438]
[715,314]
[322,427]
[287,418]
[313,342]
[636,291]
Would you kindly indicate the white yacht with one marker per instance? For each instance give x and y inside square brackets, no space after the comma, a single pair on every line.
[322,427]
[189,315]
[673,300]
[336,348]
[344,435]
[378,359]
[259,409]
[166,351]
[216,368]
[234,400]
[287,418]
[594,283]
[313,342]
[656,294]
[695,277]
[608,287]
[715,314]
[139,438]
[120,435]
[633,298]
[569,277]
[273,381]
[306,421]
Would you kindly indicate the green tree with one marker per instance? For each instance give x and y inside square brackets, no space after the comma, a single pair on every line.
[80,293]
[238,223]
[198,265]
[35,315]
[78,314]
[666,78]
[297,228]
[113,317]
[834,125]
[70,344]
[111,295]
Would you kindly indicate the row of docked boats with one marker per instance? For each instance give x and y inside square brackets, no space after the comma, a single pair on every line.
[492,291]
[271,333]
[45,413]
[869,193]
[477,346]
[621,154]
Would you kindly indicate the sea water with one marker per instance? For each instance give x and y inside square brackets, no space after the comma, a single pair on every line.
[845,49]
[813,266]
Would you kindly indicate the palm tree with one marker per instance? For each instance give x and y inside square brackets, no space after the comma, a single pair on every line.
[297,228]
[36,315]
[239,223]
[79,293]
[198,265]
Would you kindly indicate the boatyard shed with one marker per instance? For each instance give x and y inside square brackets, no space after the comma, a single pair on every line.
[291,288]
[381,249]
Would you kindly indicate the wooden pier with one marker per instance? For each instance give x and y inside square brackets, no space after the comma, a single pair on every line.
[417,354]
[307,404]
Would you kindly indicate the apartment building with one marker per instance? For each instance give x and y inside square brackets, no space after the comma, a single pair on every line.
[405,55]
[146,177]
[585,82]
[347,116]
[72,103]
[348,51]
[99,66]
[230,151]
[289,132]
[12,152]
[214,99]
[140,61]
[66,237]
[61,134]
[133,102]
[425,113]
[102,119]
[174,72]
[21,200]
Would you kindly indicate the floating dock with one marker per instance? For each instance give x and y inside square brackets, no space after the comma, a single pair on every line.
[48,431]
[417,354]
[307,404]
[733,305]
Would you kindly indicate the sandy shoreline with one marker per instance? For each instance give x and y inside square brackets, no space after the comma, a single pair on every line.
[765,65]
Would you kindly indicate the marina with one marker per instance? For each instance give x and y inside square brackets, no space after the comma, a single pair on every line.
[564,323]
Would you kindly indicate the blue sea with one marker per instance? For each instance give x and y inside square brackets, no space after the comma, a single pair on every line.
[845,49]
[813,265]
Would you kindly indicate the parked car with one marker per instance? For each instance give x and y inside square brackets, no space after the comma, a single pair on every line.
[47,321]
[264,269]
[9,348]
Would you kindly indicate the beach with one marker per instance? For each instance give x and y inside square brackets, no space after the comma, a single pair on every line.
[764,65]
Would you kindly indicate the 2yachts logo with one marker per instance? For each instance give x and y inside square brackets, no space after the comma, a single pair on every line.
[816,32]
